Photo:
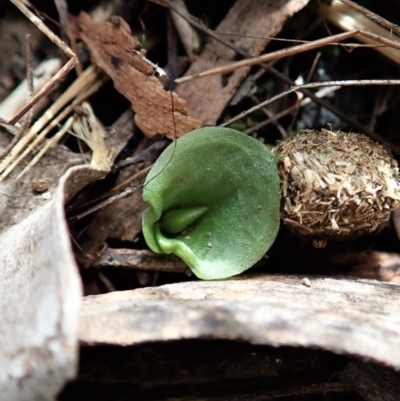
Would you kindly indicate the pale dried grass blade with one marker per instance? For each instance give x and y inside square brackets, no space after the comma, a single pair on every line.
[84,86]
[47,145]
[89,129]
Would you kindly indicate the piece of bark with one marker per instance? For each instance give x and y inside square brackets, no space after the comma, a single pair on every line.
[373,382]
[140,260]
[114,50]
[355,317]
[250,20]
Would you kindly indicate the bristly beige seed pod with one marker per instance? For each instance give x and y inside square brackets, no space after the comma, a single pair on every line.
[336,185]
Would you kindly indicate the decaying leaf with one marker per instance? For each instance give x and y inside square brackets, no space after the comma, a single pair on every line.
[39,281]
[40,298]
[114,50]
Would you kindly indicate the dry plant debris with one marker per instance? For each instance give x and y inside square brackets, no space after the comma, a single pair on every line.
[352,317]
[249,21]
[114,50]
[335,184]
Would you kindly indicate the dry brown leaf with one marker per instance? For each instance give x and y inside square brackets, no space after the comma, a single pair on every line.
[355,317]
[39,281]
[114,50]
[250,20]
[40,298]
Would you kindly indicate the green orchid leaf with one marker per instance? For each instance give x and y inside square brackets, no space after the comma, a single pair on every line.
[214,202]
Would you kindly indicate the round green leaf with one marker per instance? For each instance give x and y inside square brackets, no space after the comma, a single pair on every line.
[214,202]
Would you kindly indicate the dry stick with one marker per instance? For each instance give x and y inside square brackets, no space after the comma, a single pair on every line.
[313,85]
[29,84]
[323,92]
[294,50]
[378,19]
[57,78]
[360,127]
[288,81]
[330,40]
[270,115]
[17,98]
[125,192]
[215,35]
[141,157]
[271,56]
[62,9]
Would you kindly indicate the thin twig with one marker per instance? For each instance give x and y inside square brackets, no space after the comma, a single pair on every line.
[377,18]
[29,93]
[21,4]
[143,156]
[124,193]
[270,56]
[321,93]
[395,148]
[62,9]
[310,86]
[123,185]
[270,114]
